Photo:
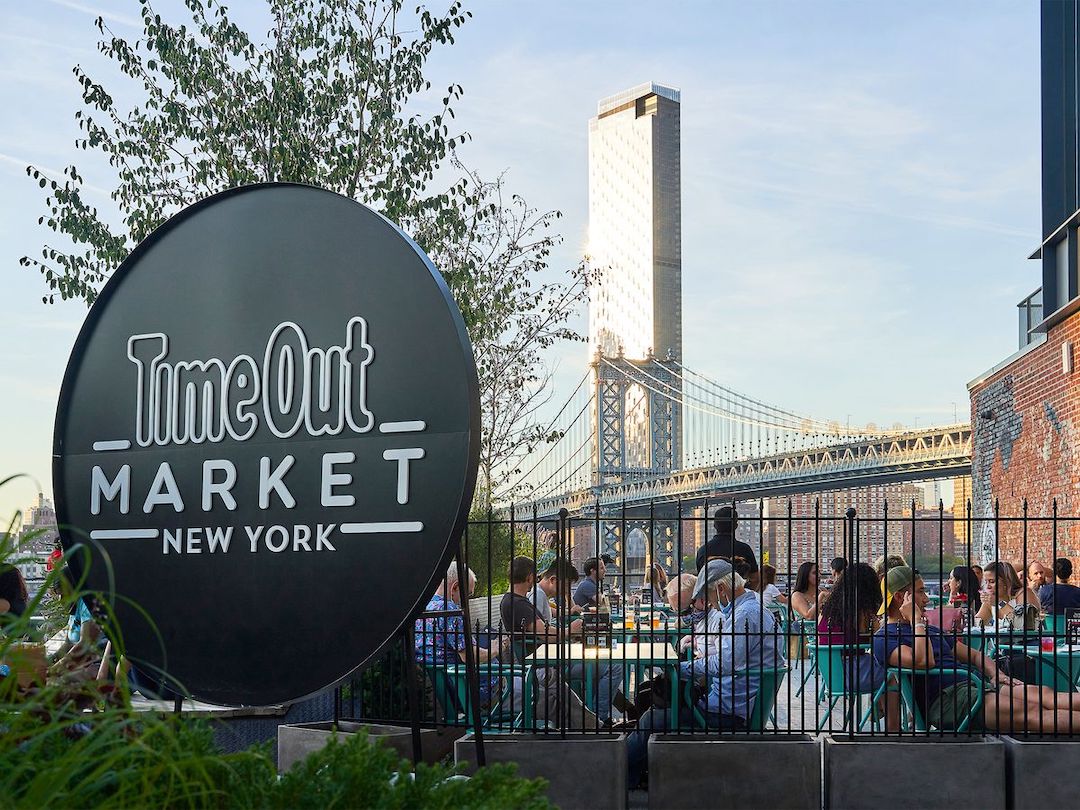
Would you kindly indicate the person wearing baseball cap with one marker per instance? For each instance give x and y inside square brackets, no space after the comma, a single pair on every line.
[748,644]
[957,675]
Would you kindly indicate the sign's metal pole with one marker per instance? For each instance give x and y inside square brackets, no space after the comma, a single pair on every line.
[413,692]
[471,674]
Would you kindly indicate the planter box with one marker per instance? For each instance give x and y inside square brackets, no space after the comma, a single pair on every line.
[582,769]
[296,741]
[921,773]
[773,771]
[1040,772]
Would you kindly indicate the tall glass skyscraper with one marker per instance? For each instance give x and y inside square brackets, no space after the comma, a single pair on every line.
[635,224]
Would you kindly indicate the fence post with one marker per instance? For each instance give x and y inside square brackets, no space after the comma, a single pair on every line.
[851,551]
[472,676]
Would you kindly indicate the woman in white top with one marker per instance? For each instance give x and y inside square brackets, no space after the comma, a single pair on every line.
[805,595]
[1007,599]
[770,594]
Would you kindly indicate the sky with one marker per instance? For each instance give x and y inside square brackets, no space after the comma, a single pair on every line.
[860,184]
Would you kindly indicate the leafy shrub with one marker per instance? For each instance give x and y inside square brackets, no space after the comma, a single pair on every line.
[78,742]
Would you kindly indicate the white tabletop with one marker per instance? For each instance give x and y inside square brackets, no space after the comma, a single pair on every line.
[657,652]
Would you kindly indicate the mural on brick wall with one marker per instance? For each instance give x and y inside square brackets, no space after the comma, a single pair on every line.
[998,426]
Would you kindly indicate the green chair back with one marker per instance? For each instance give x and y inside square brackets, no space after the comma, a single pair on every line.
[765,699]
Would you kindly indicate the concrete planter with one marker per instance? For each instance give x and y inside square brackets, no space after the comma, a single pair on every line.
[921,774]
[582,770]
[773,772]
[296,741]
[1040,772]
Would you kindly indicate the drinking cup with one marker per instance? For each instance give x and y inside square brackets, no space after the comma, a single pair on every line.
[1047,643]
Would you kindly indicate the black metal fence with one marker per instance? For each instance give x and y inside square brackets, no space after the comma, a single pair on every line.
[939,623]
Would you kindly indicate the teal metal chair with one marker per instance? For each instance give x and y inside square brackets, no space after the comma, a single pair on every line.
[832,666]
[451,687]
[1055,623]
[806,631]
[903,677]
[764,704]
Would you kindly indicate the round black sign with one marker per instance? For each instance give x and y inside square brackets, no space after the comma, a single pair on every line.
[269,432]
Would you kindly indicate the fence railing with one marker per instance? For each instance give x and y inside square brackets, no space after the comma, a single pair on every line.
[939,623]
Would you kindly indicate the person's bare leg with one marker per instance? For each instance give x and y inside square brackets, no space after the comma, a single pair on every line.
[1019,709]
[1007,712]
[889,703]
[1047,698]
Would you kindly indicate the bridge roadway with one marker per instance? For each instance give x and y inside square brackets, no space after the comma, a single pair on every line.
[915,455]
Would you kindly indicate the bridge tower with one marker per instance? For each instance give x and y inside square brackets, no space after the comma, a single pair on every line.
[637,418]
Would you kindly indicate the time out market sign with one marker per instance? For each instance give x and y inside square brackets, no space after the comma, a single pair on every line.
[268,433]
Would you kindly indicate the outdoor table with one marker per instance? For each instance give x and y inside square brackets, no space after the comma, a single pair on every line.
[1063,661]
[631,654]
[979,638]
[669,632]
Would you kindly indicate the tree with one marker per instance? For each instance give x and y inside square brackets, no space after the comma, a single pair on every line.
[517,309]
[325,98]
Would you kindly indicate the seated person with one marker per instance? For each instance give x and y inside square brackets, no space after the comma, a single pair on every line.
[804,597]
[556,580]
[1009,599]
[527,631]
[441,639]
[850,617]
[768,592]
[883,563]
[749,643]
[1062,595]
[704,636]
[588,590]
[655,583]
[947,692]
[680,595]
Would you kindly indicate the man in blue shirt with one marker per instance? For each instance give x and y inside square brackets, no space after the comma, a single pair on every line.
[441,639]
[589,588]
[748,644]
[1062,595]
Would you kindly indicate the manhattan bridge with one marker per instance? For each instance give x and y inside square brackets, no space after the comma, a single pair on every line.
[647,432]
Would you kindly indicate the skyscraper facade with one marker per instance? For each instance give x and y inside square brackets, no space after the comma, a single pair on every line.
[635,224]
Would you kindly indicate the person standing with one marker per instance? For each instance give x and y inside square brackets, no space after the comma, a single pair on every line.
[723,544]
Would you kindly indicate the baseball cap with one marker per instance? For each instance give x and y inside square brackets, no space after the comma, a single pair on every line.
[896,579]
[711,573]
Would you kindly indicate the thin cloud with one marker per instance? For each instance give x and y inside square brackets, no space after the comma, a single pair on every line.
[16,165]
[111,16]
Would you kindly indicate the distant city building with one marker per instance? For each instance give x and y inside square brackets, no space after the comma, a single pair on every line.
[816,529]
[635,308]
[38,531]
[36,539]
[635,224]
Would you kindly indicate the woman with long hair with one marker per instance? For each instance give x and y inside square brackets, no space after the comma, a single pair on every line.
[805,595]
[656,580]
[850,616]
[1007,598]
[770,594]
[964,587]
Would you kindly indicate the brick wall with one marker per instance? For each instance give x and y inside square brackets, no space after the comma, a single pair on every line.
[1025,420]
